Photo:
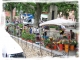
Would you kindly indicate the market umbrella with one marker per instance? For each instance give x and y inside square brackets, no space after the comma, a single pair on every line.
[58,21]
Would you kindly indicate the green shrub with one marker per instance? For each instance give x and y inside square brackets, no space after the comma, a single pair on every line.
[33,37]
[56,27]
[46,42]
[20,25]
[66,42]
[73,42]
[28,36]
[14,32]
[52,26]
[23,35]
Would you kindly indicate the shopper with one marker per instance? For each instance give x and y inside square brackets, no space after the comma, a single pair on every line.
[30,30]
[72,35]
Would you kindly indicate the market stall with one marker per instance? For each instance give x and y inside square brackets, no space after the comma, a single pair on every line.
[59,44]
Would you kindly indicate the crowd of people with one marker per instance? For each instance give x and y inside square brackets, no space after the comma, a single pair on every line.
[36,31]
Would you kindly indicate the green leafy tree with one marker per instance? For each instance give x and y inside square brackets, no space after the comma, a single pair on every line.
[65,7]
[33,8]
[9,7]
[39,8]
[27,7]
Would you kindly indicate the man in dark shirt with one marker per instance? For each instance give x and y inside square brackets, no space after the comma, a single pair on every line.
[72,34]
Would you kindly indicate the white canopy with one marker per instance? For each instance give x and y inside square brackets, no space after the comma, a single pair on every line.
[58,21]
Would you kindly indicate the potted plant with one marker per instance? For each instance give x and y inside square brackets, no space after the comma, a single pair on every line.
[60,43]
[32,37]
[47,43]
[54,45]
[66,45]
[28,37]
[23,35]
[72,44]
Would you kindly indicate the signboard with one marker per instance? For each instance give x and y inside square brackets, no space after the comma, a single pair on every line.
[27,18]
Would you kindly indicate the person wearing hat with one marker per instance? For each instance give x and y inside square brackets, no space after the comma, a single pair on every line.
[62,31]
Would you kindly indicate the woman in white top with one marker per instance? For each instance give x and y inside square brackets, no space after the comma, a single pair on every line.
[34,30]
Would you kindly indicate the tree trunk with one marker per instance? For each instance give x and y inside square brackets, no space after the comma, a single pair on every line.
[11,14]
[38,11]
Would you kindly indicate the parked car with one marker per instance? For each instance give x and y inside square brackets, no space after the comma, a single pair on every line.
[10,48]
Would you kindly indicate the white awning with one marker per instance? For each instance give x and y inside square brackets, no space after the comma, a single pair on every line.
[58,21]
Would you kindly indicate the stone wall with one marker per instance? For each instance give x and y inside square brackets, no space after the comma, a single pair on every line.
[34,50]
